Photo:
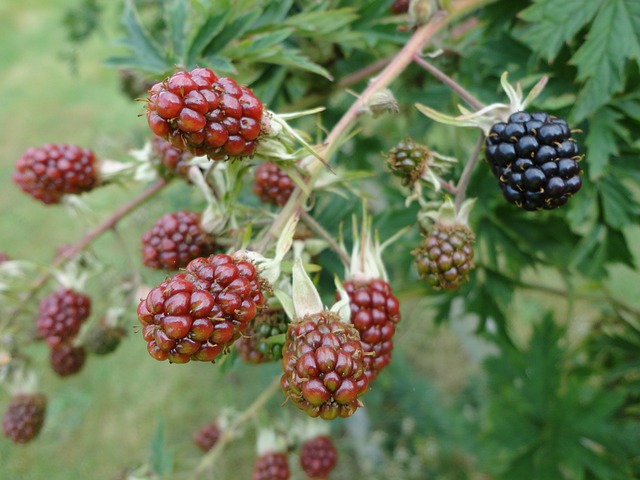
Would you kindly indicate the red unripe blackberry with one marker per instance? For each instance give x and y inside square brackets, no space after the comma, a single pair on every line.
[67,360]
[198,314]
[374,313]
[24,417]
[103,339]
[535,160]
[61,314]
[254,345]
[324,367]
[170,161]
[399,6]
[4,257]
[175,240]
[445,257]
[272,184]
[318,456]
[271,466]
[207,436]
[53,170]
[206,115]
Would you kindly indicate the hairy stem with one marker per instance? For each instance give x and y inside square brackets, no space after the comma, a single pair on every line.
[472,101]
[108,224]
[320,231]
[465,177]
[209,459]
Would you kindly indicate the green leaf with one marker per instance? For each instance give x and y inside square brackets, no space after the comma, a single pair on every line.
[145,53]
[614,38]
[617,209]
[176,13]
[601,140]
[204,35]
[161,457]
[553,23]
[232,30]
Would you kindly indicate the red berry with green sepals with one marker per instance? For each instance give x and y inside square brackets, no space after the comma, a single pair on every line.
[323,365]
[207,436]
[272,184]
[445,256]
[271,466]
[255,346]
[24,417]
[53,170]
[206,115]
[175,240]
[61,314]
[168,160]
[535,160]
[67,359]
[374,313]
[318,457]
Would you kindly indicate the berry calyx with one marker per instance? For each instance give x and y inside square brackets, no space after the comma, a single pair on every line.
[67,359]
[318,457]
[53,170]
[272,184]
[206,115]
[271,466]
[535,160]
[323,365]
[24,417]
[175,240]
[61,314]
[207,436]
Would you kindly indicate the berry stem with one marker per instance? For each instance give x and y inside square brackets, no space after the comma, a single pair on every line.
[319,230]
[465,177]
[108,224]
[472,101]
[229,433]
[393,69]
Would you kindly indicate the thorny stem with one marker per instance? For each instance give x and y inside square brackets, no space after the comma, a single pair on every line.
[209,459]
[472,101]
[393,69]
[465,177]
[365,72]
[108,224]
[319,230]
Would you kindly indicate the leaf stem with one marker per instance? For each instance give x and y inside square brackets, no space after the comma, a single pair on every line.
[319,230]
[465,177]
[209,459]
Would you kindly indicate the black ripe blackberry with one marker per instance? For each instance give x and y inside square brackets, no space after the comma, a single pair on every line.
[535,160]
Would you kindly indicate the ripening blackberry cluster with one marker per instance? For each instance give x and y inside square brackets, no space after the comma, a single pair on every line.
[535,160]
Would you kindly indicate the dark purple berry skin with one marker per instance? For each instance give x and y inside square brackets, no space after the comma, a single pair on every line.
[272,184]
[61,314]
[535,160]
[207,436]
[24,417]
[318,456]
[271,466]
[67,360]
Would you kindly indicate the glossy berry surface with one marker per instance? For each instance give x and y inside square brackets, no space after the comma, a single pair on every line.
[255,345]
[174,240]
[61,314]
[272,184]
[24,417]
[318,456]
[374,313]
[205,114]
[535,160]
[198,314]
[445,257]
[53,170]
[323,365]
[170,161]
[207,436]
[271,466]
[67,360]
